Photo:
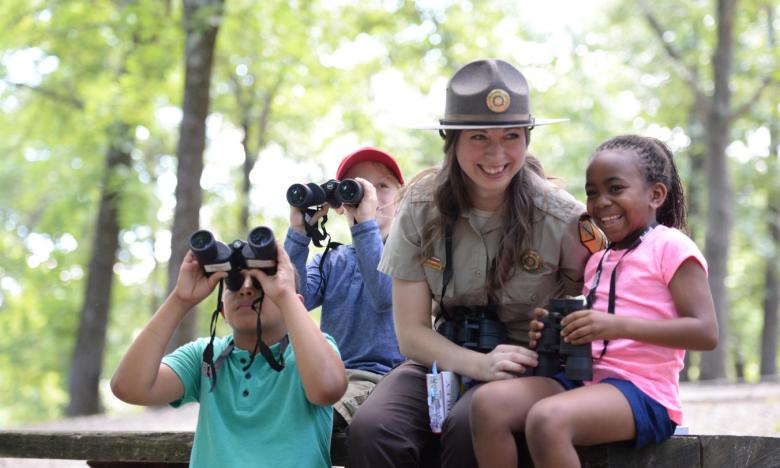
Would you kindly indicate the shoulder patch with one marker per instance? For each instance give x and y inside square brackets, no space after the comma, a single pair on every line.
[591,236]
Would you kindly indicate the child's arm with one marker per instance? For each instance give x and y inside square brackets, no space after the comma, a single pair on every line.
[296,244]
[695,329]
[367,240]
[141,379]
[322,371]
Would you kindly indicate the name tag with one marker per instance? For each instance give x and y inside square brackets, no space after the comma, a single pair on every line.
[432,262]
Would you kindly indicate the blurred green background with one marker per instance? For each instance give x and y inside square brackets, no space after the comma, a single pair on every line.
[94,121]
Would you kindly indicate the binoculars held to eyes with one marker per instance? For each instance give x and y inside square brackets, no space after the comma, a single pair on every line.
[259,251]
[333,192]
[554,353]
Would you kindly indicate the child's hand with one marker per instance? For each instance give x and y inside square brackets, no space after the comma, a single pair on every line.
[192,285]
[297,219]
[508,361]
[277,287]
[535,332]
[585,326]
[366,209]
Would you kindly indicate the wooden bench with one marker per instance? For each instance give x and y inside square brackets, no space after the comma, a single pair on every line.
[172,449]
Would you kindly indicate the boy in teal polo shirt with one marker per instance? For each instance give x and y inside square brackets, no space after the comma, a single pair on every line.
[254,413]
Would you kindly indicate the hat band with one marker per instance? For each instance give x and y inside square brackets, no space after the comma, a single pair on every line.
[477,119]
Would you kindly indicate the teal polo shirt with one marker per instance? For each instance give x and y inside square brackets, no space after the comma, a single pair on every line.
[258,417]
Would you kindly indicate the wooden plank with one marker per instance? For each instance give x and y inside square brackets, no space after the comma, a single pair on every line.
[164,447]
[722,451]
[113,447]
[677,452]
[152,449]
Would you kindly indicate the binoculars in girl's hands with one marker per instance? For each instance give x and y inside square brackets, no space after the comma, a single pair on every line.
[333,192]
[555,355]
[258,251]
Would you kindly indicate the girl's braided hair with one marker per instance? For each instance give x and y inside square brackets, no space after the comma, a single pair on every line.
[657,163]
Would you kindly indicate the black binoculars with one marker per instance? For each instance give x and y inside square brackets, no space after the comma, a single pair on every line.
[334,192]
[555,354]
[259,251]
[476,328]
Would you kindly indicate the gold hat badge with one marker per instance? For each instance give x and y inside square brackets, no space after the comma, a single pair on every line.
[498,100]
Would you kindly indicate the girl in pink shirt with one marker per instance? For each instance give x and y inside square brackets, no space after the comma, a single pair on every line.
[648,302]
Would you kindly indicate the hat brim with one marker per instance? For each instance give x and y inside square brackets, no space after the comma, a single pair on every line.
[535,123]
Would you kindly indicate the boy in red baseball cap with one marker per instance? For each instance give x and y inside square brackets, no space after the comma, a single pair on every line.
[355,297]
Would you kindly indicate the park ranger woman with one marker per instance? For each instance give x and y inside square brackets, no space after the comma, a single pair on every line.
[478,244]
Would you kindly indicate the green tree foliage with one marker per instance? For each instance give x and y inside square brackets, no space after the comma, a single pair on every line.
[59,122]
[301,80]
[676,69]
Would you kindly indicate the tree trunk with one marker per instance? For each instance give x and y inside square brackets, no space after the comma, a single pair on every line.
[771,288]
[87,362]
[246,186]
[721,210]
[201,23]
[251,153]
[771,302]
[695,187]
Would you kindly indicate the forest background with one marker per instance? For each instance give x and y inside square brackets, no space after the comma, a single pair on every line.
[126,125]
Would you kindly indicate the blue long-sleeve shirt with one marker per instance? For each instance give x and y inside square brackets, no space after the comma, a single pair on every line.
[357,304]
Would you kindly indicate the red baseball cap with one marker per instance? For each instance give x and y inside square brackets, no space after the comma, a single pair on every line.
[369,154]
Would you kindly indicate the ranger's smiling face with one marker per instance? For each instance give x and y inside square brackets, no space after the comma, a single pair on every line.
[490,158]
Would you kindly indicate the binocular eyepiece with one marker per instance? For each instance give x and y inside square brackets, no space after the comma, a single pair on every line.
[258,251]
[555,354]
[334,192]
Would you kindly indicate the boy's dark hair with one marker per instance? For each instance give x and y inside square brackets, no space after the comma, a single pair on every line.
[657,162]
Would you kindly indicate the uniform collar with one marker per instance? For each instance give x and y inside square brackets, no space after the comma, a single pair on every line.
[494,221]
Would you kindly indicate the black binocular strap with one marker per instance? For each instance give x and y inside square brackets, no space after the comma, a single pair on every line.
[613,277]
[208,354]
[315,231]
[210,367]
[447,275]
[262,347]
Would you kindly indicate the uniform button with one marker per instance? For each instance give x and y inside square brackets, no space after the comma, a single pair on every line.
[248,375]
[534,297]
[243,360]
[246,393]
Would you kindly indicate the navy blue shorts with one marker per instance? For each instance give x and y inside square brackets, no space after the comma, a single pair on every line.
[652,421]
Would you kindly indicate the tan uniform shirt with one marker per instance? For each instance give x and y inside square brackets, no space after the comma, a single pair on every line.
[552,265]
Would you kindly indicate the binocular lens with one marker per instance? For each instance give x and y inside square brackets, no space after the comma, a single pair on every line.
[261,237]
[350,192]
[201,240]
[297,194]
[304,196]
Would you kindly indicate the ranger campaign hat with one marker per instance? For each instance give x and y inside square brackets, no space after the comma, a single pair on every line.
[488,93]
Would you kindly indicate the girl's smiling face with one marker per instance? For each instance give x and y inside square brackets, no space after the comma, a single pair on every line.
[490,158]
[620,199]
